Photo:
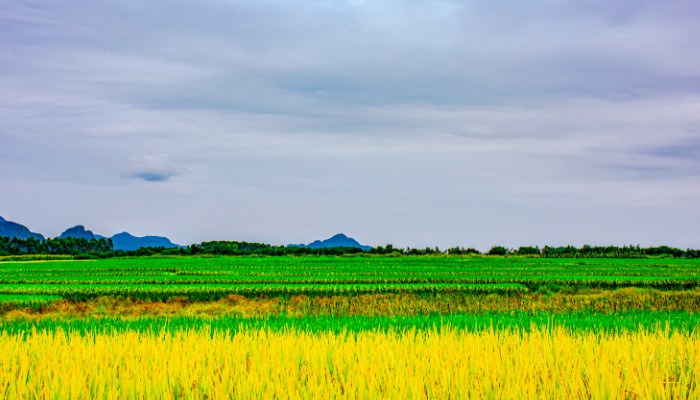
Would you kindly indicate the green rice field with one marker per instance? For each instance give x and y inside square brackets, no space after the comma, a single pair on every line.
[442,285]
[212,278]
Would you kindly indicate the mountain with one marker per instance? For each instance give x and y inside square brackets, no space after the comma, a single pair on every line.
[126,241]
[122,241]
[338,240]
[79,231]
[13,229]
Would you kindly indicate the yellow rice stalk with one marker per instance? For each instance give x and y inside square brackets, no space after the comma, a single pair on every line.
[262,364]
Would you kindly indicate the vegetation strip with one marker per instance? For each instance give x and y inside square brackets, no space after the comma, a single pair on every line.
[515,321]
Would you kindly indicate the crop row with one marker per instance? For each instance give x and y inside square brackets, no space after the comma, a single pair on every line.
[5,276]
[10,301]
[608,282]
[210,292]
[518,321]
[356,264]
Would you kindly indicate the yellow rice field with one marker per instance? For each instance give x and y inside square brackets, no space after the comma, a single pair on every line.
[446,364]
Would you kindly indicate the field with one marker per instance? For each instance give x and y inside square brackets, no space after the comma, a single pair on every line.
[214,278]
[350,327]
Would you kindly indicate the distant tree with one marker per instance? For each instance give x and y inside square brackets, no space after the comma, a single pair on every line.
[462,251]
[528,251]
[498,251]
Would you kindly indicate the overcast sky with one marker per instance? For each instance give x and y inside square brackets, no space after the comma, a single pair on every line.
[417,123]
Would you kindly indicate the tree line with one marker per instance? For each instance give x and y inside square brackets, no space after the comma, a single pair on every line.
[66,246]
[104,248]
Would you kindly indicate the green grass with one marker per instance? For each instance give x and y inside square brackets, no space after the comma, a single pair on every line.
[26,300]
[156,278]
[213,292]
[585,321]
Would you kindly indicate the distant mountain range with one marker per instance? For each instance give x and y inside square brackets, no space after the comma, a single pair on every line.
[338,240]
[13,229]
[122,241]
[125,241]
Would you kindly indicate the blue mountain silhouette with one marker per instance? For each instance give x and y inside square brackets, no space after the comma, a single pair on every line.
[339,240]
[122,241]
[13,229]
[126,241]
[79,231]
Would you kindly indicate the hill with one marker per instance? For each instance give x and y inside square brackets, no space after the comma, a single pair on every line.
[126,241]
[339,240]
[13,229]
[79,231]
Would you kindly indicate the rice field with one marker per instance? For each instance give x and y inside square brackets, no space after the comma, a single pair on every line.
[209,279]
[295,364]
[350,327]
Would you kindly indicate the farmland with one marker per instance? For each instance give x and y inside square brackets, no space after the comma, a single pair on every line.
[163,277]
[369,364]
[365,327]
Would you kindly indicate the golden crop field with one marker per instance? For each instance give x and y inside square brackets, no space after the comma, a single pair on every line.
[293,364]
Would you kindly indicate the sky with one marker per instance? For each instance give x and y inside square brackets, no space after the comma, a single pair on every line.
[417,123]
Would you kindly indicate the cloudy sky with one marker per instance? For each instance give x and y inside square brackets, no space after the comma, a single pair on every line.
[416,122]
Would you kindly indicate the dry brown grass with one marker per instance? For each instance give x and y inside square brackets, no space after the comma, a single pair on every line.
[603,301]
